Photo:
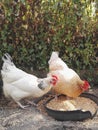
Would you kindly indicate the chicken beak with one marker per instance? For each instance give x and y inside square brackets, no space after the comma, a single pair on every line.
[89,89]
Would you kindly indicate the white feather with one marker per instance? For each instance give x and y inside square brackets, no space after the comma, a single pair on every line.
[56,62]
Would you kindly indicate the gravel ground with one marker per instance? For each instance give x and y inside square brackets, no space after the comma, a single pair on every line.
[14,118]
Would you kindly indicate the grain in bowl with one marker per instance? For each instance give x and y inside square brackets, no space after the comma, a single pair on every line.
[68,104]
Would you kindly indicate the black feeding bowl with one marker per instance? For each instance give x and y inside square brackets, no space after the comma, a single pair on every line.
[74,115]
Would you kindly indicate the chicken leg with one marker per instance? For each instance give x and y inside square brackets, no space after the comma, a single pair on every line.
[32,103]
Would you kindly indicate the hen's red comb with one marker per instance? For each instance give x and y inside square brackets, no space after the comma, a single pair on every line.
[54,76]
[86,85]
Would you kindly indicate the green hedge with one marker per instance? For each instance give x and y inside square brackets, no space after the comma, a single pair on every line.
[31,30]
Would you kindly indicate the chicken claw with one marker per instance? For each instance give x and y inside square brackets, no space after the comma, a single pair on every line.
[22,106]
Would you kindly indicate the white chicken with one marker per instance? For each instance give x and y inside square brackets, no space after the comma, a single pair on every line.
[18,84]
[69,82]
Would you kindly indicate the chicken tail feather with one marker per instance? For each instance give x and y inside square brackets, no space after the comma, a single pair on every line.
[7,57]
[53,56]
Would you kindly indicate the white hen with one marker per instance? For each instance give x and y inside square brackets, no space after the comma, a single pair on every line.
[18,84]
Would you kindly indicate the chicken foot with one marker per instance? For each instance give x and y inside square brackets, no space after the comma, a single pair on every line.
[25,107]
[22,106]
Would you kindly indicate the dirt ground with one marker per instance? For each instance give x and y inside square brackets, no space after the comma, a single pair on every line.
[14,118]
